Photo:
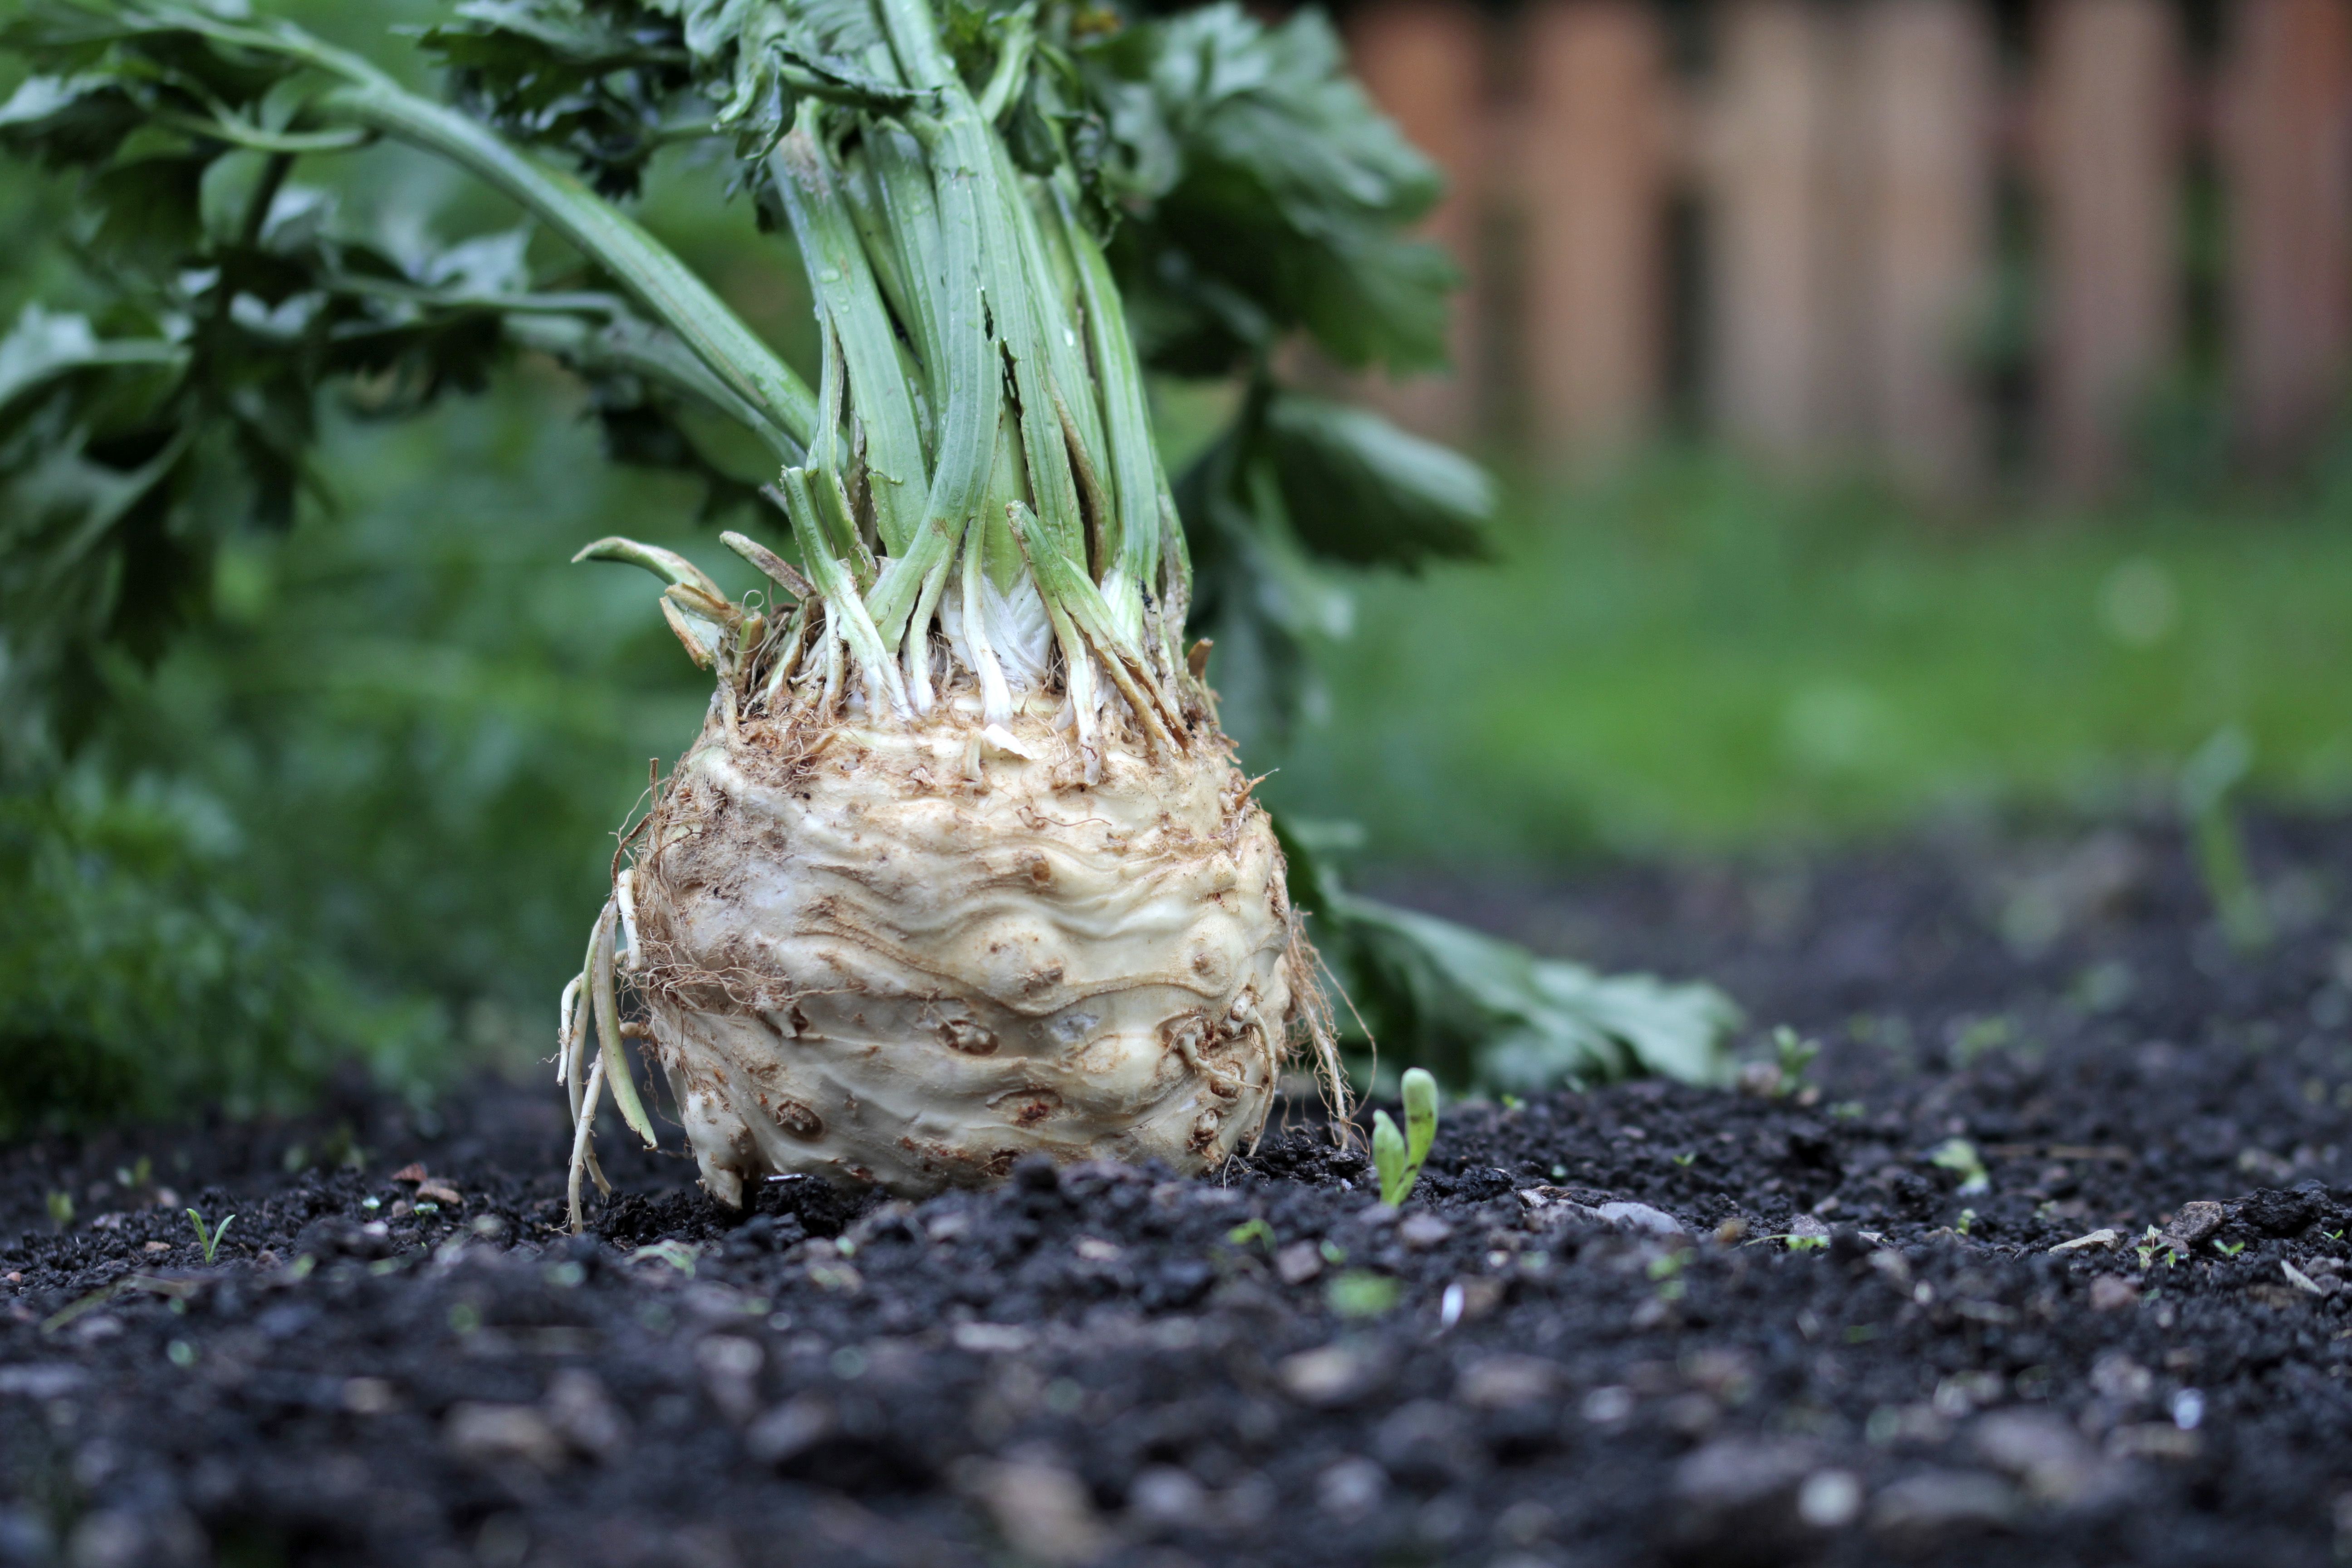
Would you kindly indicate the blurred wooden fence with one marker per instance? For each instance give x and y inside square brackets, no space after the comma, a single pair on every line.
[1804,223]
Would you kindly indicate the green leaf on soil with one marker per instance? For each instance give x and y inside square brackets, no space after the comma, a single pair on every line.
[1361,1294]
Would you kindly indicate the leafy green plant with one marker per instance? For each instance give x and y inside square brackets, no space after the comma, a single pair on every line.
[209,1240]
[1004,219]
[1397,1156]
[1794,1055]
[1784,1075]
[138,983]
[2150,1240]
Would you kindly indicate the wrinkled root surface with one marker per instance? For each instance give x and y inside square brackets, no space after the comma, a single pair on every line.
[908,958]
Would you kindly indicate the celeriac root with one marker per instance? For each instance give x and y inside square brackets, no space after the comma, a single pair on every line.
[856,958]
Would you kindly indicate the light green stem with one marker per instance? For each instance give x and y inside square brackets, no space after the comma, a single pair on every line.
[663,284]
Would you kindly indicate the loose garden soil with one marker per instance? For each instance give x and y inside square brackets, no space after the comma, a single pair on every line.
[2043,1260]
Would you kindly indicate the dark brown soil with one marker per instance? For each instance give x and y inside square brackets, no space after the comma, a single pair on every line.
[1105,1364]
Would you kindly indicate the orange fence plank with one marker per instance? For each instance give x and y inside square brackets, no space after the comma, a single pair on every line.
[1425,63]
[1846,155]
[2287,161]
[1925,108]
[2109,166]
[1594,176]
[1772,222]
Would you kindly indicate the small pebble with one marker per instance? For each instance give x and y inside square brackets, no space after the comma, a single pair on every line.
[1421,1232]
[1350,1489]
[1501,1382]
[1643,1217]
[2113,1293]
[2193,1224]
[1921,1508]
[1298,1263]
[2104,1240]
[1830,1500]
[1328,1376]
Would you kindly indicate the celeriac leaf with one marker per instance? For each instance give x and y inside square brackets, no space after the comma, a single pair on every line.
[1358,490]
[1253,168]
[1488,1015]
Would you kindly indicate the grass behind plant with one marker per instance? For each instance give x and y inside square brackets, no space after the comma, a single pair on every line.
[1693,657]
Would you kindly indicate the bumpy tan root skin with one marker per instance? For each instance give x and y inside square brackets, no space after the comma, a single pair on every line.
[908,956]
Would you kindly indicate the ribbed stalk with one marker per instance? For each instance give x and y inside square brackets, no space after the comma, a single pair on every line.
[982,352]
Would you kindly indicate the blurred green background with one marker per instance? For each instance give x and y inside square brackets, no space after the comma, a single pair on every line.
[368,808]
[1692,658]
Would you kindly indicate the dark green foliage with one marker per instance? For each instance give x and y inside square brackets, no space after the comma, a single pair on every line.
[1264,194]
[137,985]
[597,87]
[133,442]
[1486,1015]
[126,461]
[1355,488]
[1296,480]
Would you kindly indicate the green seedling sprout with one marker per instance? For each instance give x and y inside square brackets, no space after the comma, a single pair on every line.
[209,1240]
[1794,1054]
[61,1208]
[1398,1155]
[1251,1230]
[1666,1272]
[1389,1158]
[1960,1156]
[2208,782]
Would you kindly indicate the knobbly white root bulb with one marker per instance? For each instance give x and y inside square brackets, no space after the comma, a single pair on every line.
[911,955]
